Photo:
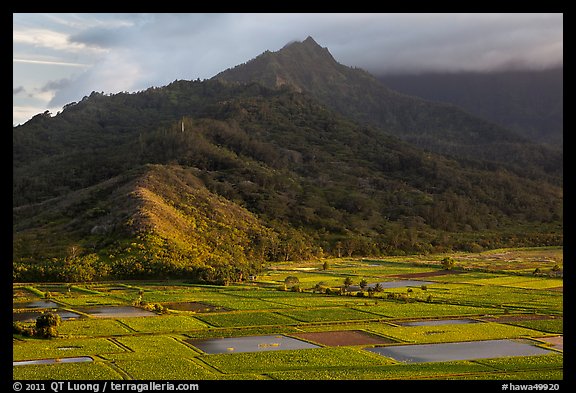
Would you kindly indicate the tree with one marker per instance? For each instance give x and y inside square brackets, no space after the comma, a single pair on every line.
[448,263]
[378,287]
[325,265]
[347,282]
[319,287]
[370,292]
[46,325]
[339,249]
[291,280]
[363,284]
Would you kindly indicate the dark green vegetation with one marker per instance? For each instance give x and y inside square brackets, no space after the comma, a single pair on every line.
[210,180]
[529,102]
[505,304]
[432,126]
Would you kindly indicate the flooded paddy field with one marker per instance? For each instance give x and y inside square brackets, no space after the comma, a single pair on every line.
[250,344]
[115,312]
[80,359]
[469,350]
[36,304]
[29,316]
[423,322]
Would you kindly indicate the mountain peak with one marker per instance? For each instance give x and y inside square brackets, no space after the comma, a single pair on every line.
[309,47]
[310,41]
[300,64]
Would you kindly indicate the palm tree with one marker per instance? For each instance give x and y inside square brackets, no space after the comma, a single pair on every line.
[363,284]
[370,291]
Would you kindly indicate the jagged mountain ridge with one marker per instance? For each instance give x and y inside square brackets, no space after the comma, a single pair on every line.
[442,128]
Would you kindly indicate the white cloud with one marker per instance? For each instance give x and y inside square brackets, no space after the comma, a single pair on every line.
[50,62]
[48,39]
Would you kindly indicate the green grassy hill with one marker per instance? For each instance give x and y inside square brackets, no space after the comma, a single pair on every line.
[154,221]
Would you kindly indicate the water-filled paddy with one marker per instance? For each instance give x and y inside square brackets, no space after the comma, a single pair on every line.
[250,344]
[468,350]
[28,316]
[37,304]
[116,312]
[401,283]
[79,359]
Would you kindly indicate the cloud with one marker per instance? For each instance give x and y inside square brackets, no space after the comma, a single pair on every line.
[49,62]
[18,90]
[131,52]
[46,38]
[56,85]
[454,42]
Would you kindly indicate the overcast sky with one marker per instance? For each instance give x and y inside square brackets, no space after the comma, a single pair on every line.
[60,58]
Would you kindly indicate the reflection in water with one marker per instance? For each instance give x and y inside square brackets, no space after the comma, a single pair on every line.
[250,344]
[79,359]
[30,316]
[37,304]
[467,350]
[116,312]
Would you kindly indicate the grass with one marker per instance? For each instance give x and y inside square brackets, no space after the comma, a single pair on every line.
[180,368]
[49,349]
[88,327]
[547,325]
[521,282]
[391,371]
[68,371]
[239,319]
[164,324]
[272,361]
[151,347]
[552,361]
[399,309]
[328,314]
[155,348]
[453,333]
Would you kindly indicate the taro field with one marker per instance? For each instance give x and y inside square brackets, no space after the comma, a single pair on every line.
[497,315]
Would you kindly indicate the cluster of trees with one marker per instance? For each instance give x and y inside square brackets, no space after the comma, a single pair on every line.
[46,326]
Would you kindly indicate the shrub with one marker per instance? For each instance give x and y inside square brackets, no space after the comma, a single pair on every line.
[20,328]
[46,325]
[448,263]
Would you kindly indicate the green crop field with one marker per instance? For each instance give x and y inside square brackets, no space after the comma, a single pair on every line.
[503,303]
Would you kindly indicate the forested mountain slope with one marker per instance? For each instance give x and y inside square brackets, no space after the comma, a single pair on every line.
[208,180]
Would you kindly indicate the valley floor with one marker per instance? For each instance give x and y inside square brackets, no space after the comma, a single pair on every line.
[493,316]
